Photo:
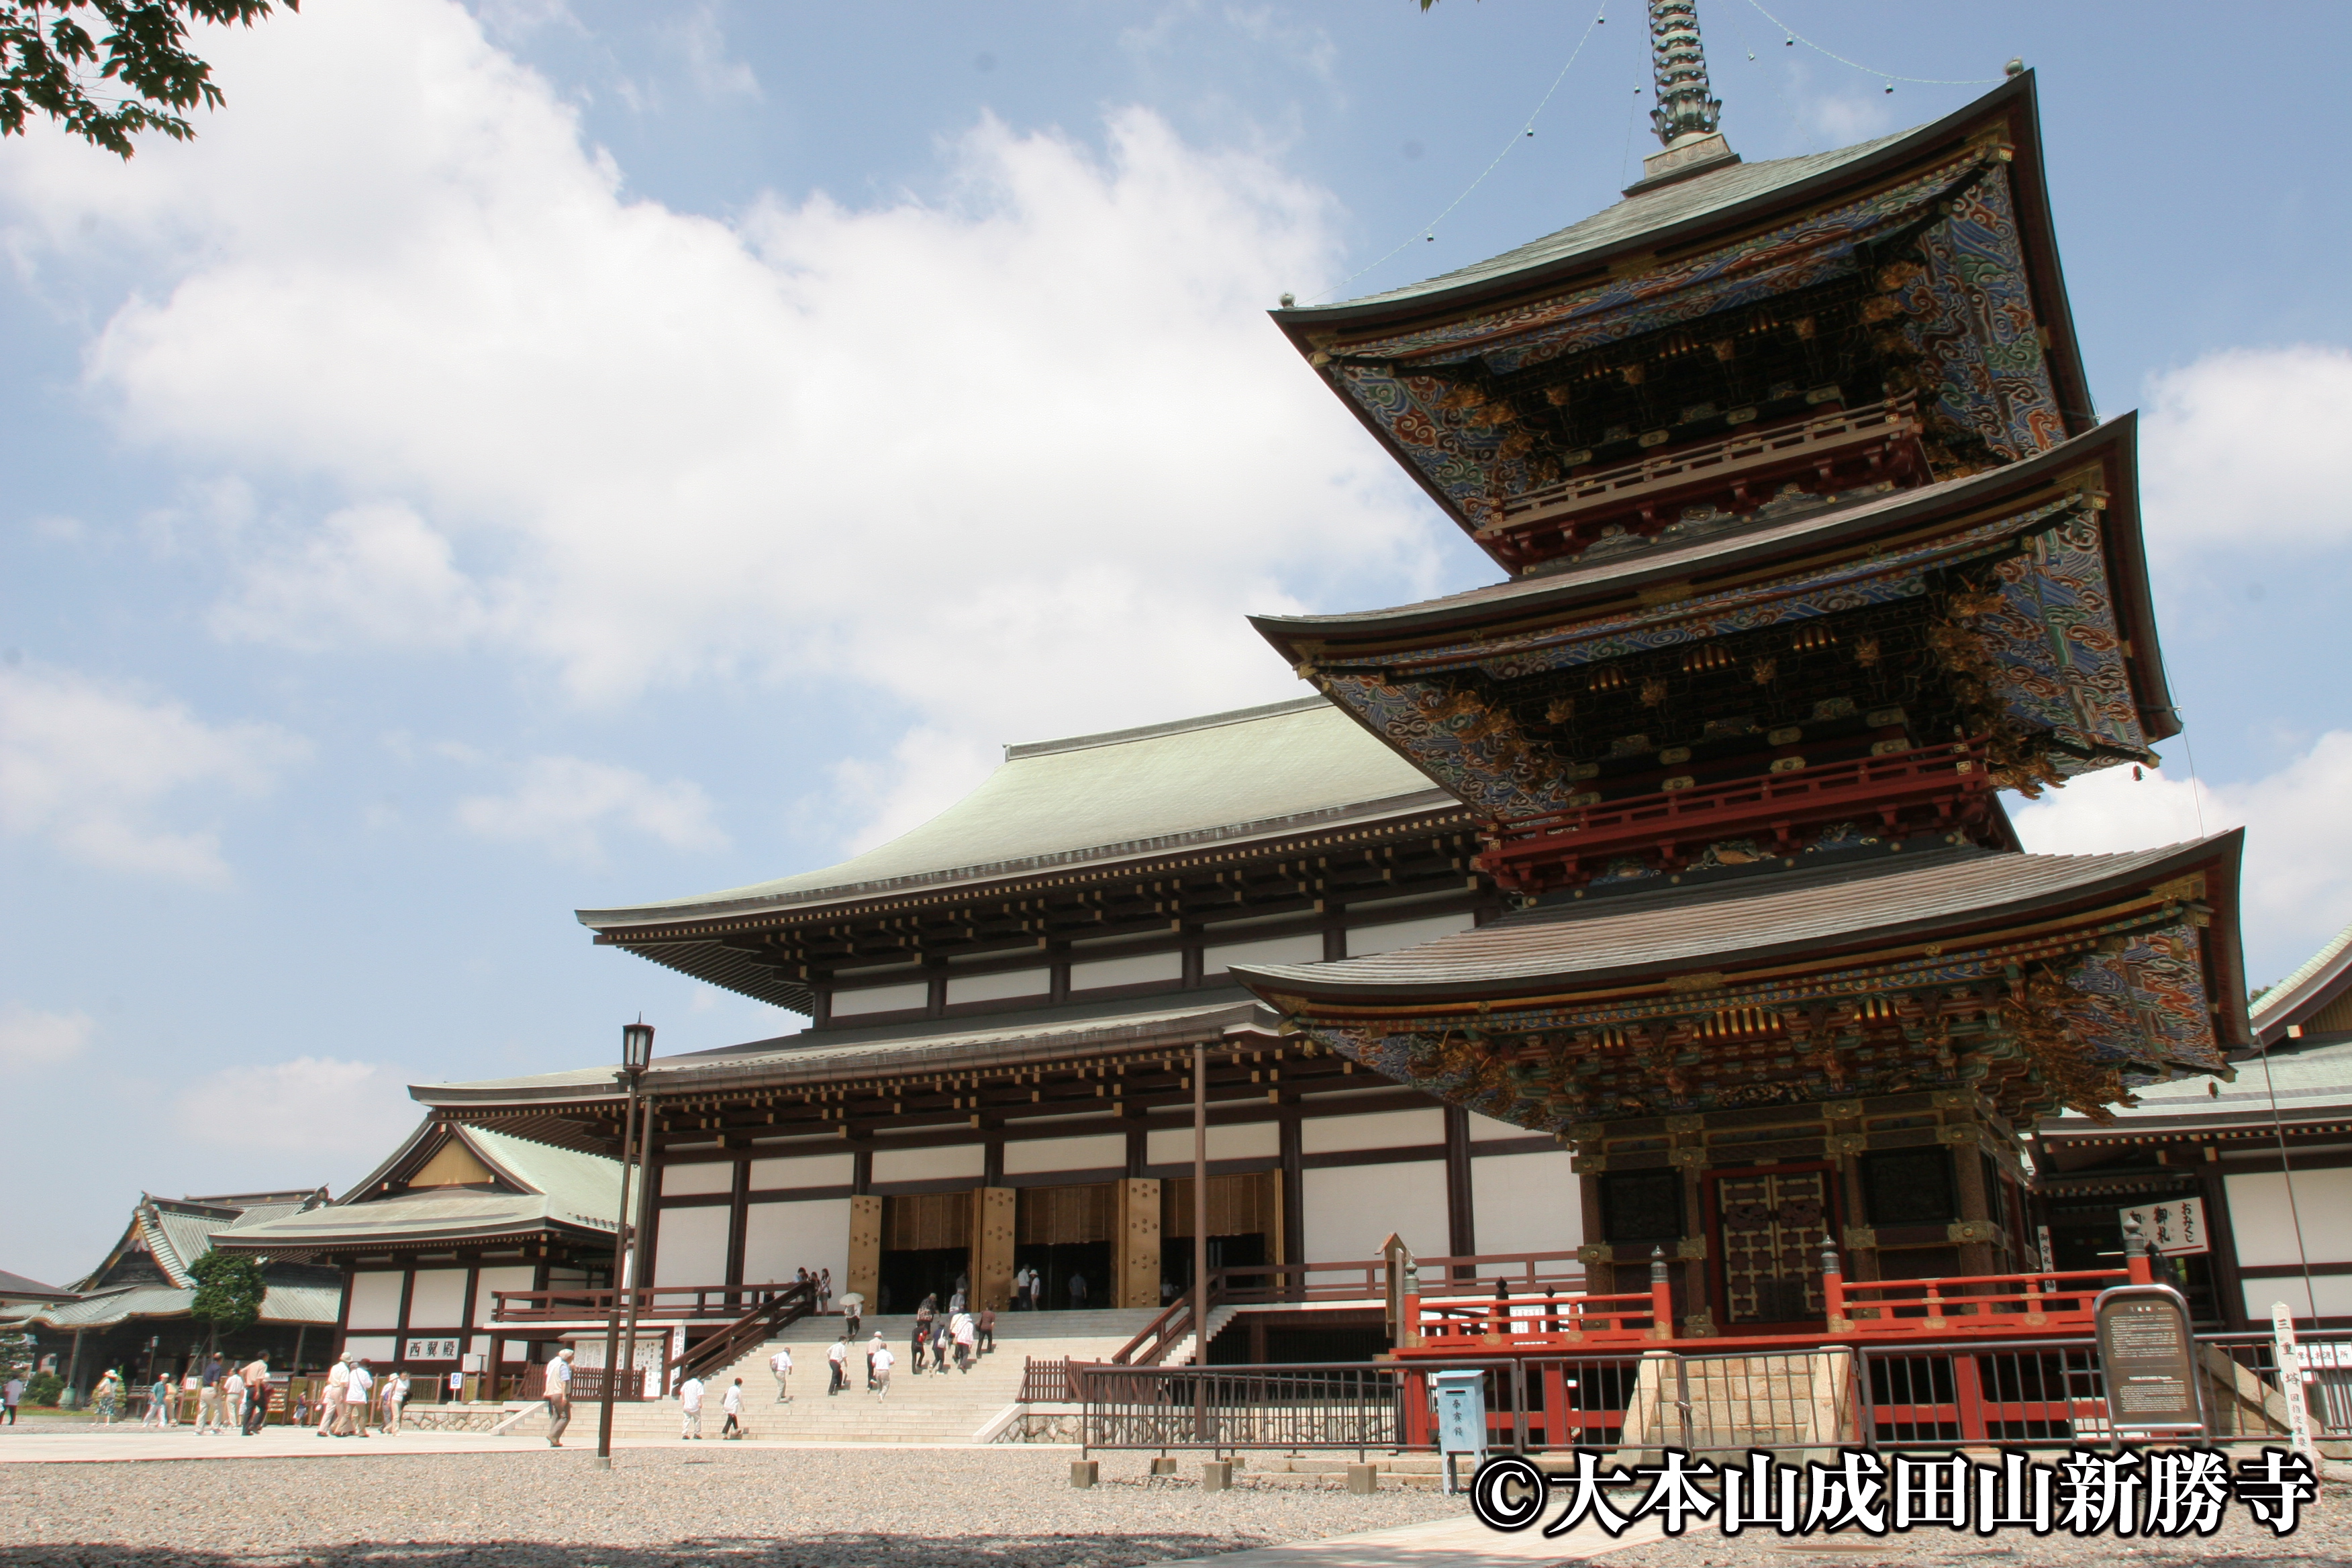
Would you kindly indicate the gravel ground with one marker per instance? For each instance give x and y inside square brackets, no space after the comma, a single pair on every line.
[2323,1538]
[1000,1508]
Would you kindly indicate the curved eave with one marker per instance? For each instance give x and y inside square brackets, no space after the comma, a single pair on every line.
[2015,100]
[2311,988]
[1712,565]
[1287,985]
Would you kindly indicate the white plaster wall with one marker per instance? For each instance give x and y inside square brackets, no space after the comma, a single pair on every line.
[1488,1128]
[1526,1202]
[691,1246]
[380,1348]
[803,1170]
[1133,971]
[955,1162]
[438,1299]
[2335,1296]
[882,999]
[999,988]
[1382,1129]
[1305,948]
[1033,1155]
[516,1277]
[683,1181]
[1365,940]
[1248,1140]
[2265,1223]
[375,1298]
[779,1238]
[1351,1209]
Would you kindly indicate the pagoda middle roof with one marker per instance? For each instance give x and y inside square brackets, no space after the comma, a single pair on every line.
[1760,543]
[1254,773]
[1629,938]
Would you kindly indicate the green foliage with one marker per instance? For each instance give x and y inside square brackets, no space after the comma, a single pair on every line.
[228,1291]
[50,63]
[44,1387]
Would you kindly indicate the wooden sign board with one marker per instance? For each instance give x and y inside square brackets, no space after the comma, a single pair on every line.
[2147,1360]
[2175,1227]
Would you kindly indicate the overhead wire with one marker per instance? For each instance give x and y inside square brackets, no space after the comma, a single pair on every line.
[1793,36]
[1527,129]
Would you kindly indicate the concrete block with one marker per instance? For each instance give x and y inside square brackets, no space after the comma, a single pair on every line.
[1362,1478]
[1084,1473]
[1165,1464]
[1216,1475]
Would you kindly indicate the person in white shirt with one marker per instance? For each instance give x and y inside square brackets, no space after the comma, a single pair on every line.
[733,1404]
[1020,1289]
[965,1333]
[852,1307]
[780,1363]
[330,1399]
[557,1392]
[232,1386]
[355,1398]
[689,1400]
[838,1358]
[878,1360]
[395,1400]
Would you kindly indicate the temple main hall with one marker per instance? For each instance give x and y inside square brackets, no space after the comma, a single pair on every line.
[1645,926]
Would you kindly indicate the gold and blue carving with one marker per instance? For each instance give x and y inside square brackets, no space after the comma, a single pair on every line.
[2054,639]
[1972,315]
[2144,1004]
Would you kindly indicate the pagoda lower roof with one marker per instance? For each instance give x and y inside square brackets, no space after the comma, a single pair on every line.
[931,1046]
[1628,939]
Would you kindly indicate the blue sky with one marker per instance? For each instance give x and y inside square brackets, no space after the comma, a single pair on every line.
[546,454]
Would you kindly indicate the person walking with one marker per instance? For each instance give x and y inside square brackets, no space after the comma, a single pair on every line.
[690,1403]
[965,1333]
[869,1359]
[925,1316]
[731,1429]
[159,1402]
[838,1358]
[955,1302]
[331,1397]
[12,1393]
[824,1290]
[357,1386]
[395,1401]
[557,1392]
[878,1368]
[255,1373]
[107,1398]
[986,1324]
[780,1363]
[940,1345]
[1037,1289]
[1078,1292]
[209,1418]
[853,1308]
[232,1401]
[1020,1289]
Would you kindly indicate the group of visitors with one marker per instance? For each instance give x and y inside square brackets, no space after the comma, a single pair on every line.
[956,1328]
[823,1279]
[353,1399]
[1029,1290]
[689,1401]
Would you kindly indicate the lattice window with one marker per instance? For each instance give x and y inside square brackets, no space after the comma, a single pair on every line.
[1771,1226]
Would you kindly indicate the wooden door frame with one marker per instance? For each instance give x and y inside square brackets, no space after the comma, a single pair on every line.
[1718,1286]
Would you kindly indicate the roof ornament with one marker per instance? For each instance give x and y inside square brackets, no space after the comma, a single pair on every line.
[1678,62]
[1688,114]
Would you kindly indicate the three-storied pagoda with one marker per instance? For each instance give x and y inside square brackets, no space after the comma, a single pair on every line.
[1814,545]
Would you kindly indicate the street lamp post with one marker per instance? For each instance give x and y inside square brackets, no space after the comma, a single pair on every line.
[637,1053]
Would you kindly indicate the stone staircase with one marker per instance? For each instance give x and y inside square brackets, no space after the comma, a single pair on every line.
[932,1407]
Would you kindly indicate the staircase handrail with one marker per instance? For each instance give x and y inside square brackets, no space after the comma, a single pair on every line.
[1160,1335]
[781,1311]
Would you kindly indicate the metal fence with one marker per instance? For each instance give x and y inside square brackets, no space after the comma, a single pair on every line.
[2033,1391]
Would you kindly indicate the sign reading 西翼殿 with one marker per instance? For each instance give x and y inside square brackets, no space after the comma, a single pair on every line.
[429,1350]
[2175,1227]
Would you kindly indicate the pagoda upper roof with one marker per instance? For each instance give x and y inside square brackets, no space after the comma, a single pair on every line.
[1724,199]
[1629,938]
[1233,777]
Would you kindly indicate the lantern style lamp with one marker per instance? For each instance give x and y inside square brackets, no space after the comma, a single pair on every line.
[636,1054]
[637,1046]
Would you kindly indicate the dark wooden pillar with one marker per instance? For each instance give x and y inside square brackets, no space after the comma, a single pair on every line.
[739,1218]
[1294,1194]
[861,1178]
[400,1330]
[466,1314]
[991,1163]
[2228,1288]
[1461,1223]
[1139,1151]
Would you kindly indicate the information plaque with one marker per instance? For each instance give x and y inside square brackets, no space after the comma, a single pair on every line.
[2148,1361]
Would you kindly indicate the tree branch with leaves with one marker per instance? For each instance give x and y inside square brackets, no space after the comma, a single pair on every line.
[229,1289]
[52,64]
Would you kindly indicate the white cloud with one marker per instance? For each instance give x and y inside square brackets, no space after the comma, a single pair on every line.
[312,1105]
[1017,457]
[2244,450]
[95,768]
[566,804]
[33,1039]
[2297,882]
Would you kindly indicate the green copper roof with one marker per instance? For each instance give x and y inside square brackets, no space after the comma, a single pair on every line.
[1223,776]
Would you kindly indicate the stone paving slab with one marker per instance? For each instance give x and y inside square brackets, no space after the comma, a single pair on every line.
[25,1445]
[1452,1542]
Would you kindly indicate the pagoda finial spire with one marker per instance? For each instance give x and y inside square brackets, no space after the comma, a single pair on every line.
[1678,60]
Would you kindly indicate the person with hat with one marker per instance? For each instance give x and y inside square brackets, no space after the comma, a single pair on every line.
[557,1392]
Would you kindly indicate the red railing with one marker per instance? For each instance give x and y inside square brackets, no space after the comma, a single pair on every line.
[1516,852]
[666,1303]
[1981,1303]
